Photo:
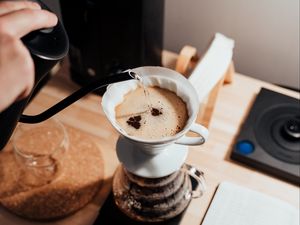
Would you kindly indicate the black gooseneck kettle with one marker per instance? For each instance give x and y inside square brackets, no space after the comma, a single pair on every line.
[47,47]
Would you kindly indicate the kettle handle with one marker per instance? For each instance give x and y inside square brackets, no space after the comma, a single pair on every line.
[123,76]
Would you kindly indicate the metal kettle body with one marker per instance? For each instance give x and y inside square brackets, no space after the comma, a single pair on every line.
[10,116]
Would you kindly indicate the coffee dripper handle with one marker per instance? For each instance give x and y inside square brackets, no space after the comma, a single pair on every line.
[201,139]
[123,76]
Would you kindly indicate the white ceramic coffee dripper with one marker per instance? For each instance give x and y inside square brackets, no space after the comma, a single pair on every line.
[160,157]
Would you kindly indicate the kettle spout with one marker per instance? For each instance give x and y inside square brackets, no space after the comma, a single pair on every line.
[123,76]
[133,74]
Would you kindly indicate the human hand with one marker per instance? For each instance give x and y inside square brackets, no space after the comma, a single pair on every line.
[18,18]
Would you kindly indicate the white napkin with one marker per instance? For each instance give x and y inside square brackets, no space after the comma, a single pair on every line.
[236,205]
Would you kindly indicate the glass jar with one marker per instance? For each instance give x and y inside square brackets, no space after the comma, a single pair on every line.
[156,199]
[39,150]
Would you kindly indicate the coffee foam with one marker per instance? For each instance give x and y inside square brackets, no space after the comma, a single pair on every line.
[167,116]
[152,76]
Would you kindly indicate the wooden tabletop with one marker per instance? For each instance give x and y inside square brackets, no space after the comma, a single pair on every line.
[232,105]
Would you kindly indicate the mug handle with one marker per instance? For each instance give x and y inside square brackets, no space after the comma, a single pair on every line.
[198,175]
[198,129]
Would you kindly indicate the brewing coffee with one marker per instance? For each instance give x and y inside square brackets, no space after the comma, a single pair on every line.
[166,116]
[151,200]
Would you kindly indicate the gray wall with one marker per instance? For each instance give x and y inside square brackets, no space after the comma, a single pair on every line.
[266,33]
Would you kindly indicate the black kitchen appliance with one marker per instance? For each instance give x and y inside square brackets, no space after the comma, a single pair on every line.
[269,138]
[107,37]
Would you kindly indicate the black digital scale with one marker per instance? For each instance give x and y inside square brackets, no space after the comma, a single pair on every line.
[269,139]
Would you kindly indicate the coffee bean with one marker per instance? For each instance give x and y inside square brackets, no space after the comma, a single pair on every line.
[134,121]
[155,112]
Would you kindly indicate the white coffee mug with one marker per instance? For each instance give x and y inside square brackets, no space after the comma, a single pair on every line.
[167,79]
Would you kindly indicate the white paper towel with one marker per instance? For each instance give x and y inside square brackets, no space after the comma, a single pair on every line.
[236,205]
[212,66]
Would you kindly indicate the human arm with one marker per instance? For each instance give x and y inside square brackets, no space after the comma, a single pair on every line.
[18,18]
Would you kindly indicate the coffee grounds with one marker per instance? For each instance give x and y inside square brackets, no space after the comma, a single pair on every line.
[155,112]
[134,121]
